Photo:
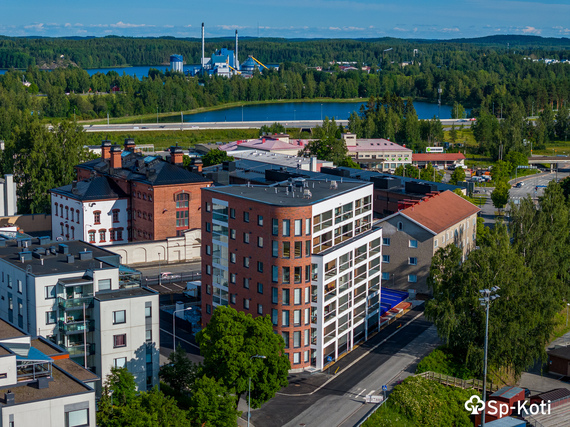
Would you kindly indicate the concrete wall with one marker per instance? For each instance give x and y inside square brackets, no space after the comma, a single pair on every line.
[171,250]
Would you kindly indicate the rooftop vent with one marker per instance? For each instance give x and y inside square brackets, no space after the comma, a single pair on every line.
[25,256]
[10,398]
[85,255]
[70,259]
[63,249]
[43,240]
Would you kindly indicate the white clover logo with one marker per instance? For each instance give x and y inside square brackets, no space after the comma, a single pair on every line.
[474,405]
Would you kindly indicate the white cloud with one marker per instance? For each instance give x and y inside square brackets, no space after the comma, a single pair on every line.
[168,26]
[67,25]
[562,30]
[37,27]
[122,24]
[450,30]
[531,30]
[399,29]
[334,28]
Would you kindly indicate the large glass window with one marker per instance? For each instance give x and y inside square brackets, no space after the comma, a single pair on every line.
[286,227]
[298,227]
[119,317]
[182,213]
[77,418]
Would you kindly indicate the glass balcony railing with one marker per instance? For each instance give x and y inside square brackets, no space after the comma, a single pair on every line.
[75,303]
[78,326]
[79,350]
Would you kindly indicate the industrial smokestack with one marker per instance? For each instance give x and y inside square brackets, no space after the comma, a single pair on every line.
[202,47]
[236,62]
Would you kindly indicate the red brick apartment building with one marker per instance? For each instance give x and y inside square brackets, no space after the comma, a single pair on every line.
[163,198]
[303,252]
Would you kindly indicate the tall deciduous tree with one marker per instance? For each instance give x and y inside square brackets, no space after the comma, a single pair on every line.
[215,157]
[228,343]
[329,145]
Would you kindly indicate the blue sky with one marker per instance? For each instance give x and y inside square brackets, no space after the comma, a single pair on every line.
[434,19]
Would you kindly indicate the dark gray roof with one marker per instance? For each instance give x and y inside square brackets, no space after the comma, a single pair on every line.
[150,170]
[57,263]
[552,395]
[97,188]
[279,195]
[124,293]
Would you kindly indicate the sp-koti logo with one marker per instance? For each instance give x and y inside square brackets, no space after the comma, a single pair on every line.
[474,405]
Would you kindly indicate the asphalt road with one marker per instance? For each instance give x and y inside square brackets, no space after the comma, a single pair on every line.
[380,361]
[148,127]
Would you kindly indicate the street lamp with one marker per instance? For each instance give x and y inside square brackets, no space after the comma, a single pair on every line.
[174,326]
[487,295]
[256,356]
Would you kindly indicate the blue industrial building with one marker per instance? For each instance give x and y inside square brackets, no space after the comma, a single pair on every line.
[176,63]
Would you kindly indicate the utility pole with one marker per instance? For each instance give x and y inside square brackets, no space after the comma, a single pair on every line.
[438,100]
[485,301]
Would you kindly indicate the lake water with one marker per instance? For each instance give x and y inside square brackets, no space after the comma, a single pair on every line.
[302,111]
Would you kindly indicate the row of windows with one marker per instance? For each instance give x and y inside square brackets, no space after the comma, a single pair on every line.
[411,243]
[114,214]
[10,282]
[143,196]
[67,231]
[143,215]
[411,260]
[70,213]
[114,234]
[412,278]
[142,234]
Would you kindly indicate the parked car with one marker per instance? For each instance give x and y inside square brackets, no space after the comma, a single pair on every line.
[519,184]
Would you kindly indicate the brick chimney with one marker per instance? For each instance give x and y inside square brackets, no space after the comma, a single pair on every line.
[116,162]
[176,155]
[106,149]
[130,145]
[197,165]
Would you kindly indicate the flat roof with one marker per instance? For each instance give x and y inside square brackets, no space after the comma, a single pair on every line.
[61,385]
[278,195]
[124,293]
[9,331]
[75,370]
[56,263]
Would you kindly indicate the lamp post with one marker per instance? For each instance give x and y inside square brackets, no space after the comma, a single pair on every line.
[256,356]
[487,295]
[174,326]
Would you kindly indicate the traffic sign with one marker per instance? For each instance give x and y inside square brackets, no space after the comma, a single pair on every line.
[385,387]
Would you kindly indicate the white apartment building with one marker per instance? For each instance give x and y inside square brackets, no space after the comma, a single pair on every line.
[39,389]
[93,210]
[377,153]
[80,297]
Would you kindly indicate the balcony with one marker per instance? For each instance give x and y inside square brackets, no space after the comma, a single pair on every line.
[78,350]
[75,303]
[77,326]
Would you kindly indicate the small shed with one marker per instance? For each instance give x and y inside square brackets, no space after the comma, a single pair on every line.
[557,396]
[559,361]
[509,395]
[507,422]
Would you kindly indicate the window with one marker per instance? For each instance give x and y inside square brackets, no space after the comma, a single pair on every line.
[246,262]
[308,226]
[66,212]
[232,213]
[208,309]
[209,289]
[274,248]
[233,258]
[246,217]
[9,281]
[297,296]
[148,335]
[386,241]
[274,273]
[232,234]
[246,237]
[275,227]
[208,207]
[286,227]
[297,339]
[297,317]
[285,300]
[298,227]
[148,311]
[286,275]
[307,248]
[307,337]
[285,336]
[260,266]
[260,242]
[412,278]
[77,418]
[120,362]
[182,213]
[97,217]
[233,298]
[413,243]
[77,212]
[400,225]
[208,269]
[286,250]
[104,284]
[208,250]
[119,317]
[385,276]
[298,249]
[233,278]
[91,234]
[297,274]
[209,227]
[246,303]
[246,283]
[50,317]
[274,316]
[259,309]
[56,205]
[386,259]
[102,235]
[260,220]
[119,340]
[285,318]
[412,260]
[260,288]
[435,243]
[50,292]
[115,215]
[61,211]
[274,295]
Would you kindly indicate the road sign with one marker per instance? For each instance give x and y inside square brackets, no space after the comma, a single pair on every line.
[329,359]
[385,388]
[370,398]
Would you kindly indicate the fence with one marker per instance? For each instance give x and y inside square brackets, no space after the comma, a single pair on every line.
[458,382]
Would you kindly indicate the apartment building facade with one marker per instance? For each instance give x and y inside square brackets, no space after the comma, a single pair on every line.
[412,236]
[378,153]
[81,298]
[303,252]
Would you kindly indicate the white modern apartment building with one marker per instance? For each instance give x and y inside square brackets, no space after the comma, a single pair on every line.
[40,385]
[80,297]
[93,210]
[302,251]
